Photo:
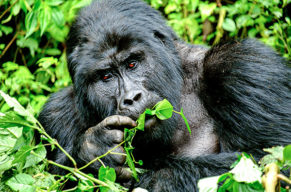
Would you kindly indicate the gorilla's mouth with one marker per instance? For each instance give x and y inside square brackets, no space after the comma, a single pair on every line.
[150,121]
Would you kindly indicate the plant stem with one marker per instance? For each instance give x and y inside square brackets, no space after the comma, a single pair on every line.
[284,178]
[99,157]
[77,172]
[55,142]
[8,9]
[9,44]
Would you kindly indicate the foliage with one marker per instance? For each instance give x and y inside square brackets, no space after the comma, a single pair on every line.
[246,175]
[23,162]
[162,110]
[32,49]
[207,22]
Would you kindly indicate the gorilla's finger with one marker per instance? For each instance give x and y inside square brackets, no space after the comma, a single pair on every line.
[123,173]
[119,158]
[118,121]
[115,135]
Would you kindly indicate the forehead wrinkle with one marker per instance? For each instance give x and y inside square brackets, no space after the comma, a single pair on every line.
[124,54]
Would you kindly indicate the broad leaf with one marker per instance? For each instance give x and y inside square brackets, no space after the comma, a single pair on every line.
[164,109]
[22,183]
[106,174]
[287,153]
[140,122]
[246,171]
[30,23]
[33,159]
[45,18]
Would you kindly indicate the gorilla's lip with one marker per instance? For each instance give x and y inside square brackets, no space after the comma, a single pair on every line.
[150,121]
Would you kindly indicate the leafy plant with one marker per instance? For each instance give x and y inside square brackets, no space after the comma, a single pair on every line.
[246,175]
[162,110]
[23,163]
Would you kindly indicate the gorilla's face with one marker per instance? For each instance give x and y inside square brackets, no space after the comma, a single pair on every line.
[121,77]
[122,68]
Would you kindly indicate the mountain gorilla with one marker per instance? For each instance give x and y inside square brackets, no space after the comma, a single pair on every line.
[123,58]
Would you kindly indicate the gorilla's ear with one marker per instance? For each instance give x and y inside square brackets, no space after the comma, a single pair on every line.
[160,36]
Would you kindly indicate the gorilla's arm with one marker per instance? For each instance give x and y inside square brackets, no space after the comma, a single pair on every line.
[84,142]
[61,121]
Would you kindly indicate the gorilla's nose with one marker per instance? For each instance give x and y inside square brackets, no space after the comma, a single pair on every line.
[131,99]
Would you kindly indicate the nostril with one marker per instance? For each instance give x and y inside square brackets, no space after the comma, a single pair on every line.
[137,97]
[128,102]
[130,98]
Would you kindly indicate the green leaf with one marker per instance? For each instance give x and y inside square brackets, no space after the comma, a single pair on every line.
[13,103]
[246,171]
[228,25]
[164,109]
[276,152]
[130,162]
[22,153]
[33,159]
[45,180]
[287,153]
[5,163]
[6,29]
[30,43]
[171,7]
[206,9]
[8,138]
[30,23]
[11,119]
[128,134]
[243,20]
[15,9]
[22,183]
[106,174]
[23,5]
[140,122]
[54,2]
[185,120]
[58,17]
[45,18]
[140,162]
[208,184]
[150,112]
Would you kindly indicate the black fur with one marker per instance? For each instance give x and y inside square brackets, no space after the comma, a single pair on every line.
[243,85]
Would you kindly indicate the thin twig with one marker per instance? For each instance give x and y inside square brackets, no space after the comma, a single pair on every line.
[99,157]
[8,9]
[9,44]
[284,178]
[22,57]
[42,131]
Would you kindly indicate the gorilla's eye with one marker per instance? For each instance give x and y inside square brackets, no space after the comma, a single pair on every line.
[106,77]
[132,64]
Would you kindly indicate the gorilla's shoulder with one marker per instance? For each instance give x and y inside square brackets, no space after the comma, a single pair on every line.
[58,106]
[64,97]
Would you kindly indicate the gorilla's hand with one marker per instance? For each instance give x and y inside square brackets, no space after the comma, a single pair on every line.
[104,136]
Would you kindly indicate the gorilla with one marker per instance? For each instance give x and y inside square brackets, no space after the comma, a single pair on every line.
[123,58]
